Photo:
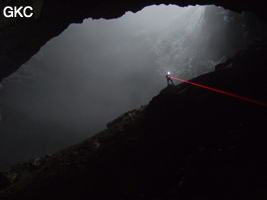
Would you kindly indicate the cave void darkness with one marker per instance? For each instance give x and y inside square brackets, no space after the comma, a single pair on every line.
[96,71]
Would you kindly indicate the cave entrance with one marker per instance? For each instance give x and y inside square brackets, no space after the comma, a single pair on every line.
[95,71]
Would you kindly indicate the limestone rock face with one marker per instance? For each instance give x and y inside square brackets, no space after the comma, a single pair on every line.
[20,38]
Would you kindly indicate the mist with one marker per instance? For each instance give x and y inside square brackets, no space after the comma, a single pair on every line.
[95,71]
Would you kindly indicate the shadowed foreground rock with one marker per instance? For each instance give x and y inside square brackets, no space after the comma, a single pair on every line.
[187,143]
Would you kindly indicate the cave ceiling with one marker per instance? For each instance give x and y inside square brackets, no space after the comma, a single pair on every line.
[21,38]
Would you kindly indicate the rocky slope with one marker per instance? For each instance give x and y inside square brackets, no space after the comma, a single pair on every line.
[187,143]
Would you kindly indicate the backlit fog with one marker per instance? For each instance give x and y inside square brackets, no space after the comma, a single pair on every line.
[95,71]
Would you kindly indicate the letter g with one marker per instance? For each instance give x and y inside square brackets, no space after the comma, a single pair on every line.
[8,11]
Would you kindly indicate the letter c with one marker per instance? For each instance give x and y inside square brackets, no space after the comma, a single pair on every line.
[24,11]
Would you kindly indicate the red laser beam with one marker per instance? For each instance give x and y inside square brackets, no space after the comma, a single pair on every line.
[226,93]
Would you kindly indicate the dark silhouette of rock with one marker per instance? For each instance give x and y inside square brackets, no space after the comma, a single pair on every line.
[187,143]
[225,65]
